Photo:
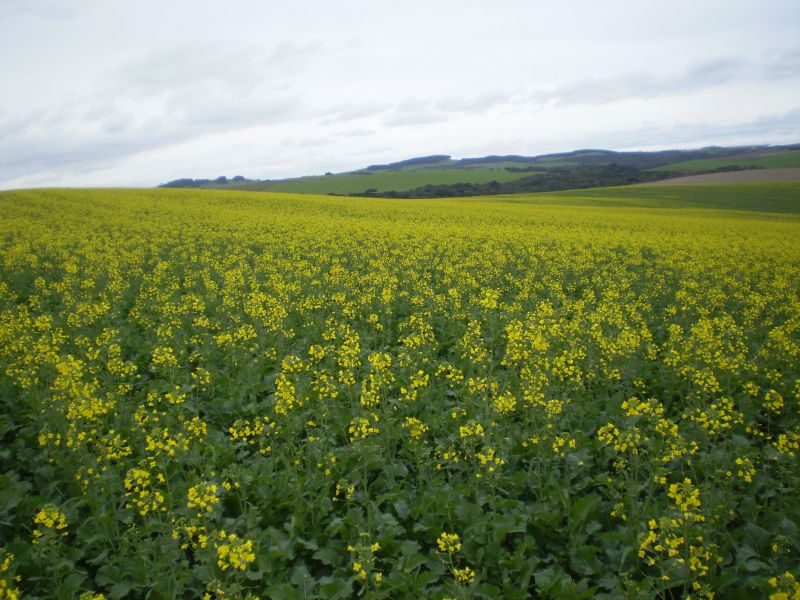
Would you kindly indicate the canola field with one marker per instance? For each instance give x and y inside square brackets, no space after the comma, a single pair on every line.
[228,395]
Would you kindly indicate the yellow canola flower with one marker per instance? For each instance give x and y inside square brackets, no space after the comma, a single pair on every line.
[233,552]
[49,520]
[464,575]
[416,428]
[8,588]
[449,542]
[494,312]
[203,497]
[505,403]
[686,497]
[361,427]
[785,587]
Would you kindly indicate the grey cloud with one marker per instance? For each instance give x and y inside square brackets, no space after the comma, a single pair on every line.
[290,57]
[351,111]
[782,127]
[474,104]
[209,86]
[40,9]
[358,133]
[604,90]
[245,66]
[766,126]
[216,107]
[14,125]
[163,99]
[66,141]
[308,142]
[715,72]
[155,87]
[53,154]
[640,85]
[415,111]
[424,111]
[763,129]
[785,65]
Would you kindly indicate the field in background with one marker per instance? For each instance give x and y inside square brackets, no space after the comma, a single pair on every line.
[402,180]
[743,176]
[762,160]
[586,394]
[399,180]
[442,170]
[772,196]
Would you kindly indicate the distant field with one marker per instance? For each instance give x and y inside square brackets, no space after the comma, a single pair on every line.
[745,176]
[400,179]
[443,170]
[766,161]
[774,196]
[549,163]
[385,180]
[777,196]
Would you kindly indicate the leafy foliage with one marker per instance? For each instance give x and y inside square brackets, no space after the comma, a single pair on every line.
[223,395]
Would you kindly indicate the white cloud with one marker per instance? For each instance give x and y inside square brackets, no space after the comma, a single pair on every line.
[191,89]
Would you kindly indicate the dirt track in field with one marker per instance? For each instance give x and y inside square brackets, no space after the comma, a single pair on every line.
[763,153]
[748,175]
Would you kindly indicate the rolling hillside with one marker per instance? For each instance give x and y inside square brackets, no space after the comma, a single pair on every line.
[443,175]
[759,160]
[395,179]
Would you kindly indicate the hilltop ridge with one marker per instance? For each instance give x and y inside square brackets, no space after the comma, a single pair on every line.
[442,175]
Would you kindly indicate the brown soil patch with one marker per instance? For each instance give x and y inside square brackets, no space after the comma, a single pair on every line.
[745,176]
[762,154]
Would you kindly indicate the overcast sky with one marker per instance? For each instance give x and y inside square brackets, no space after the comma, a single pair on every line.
[112,92]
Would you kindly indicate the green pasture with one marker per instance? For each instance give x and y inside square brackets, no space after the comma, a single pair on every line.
[768,161]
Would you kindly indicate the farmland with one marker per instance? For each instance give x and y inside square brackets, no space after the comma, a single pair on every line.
[430,176]
[400,180]
[737,176]
[762,160]
[588,394]
[776,196]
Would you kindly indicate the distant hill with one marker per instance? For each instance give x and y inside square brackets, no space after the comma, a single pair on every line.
[412,162]
[443,175]
[765,159]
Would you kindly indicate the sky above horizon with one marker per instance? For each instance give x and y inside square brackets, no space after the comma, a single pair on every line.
[117,93]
